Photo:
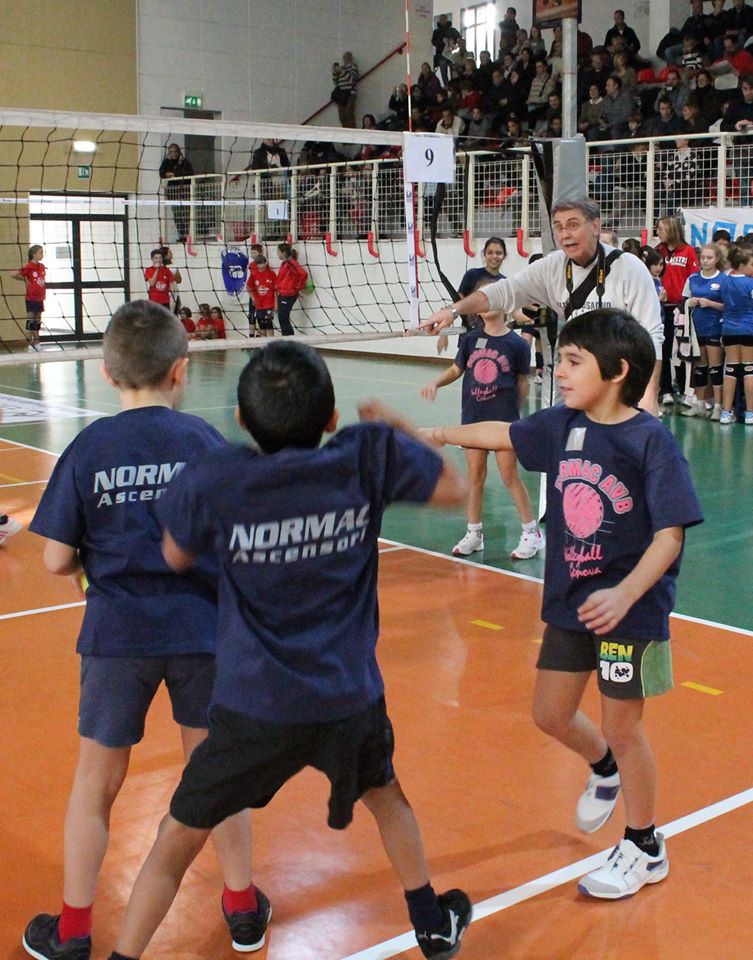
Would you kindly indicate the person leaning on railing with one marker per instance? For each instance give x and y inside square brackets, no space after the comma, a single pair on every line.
[173,169]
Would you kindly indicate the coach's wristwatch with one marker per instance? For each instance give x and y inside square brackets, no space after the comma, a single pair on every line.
[455,313]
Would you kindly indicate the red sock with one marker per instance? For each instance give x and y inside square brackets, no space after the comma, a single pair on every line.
[239,901]
[74,922]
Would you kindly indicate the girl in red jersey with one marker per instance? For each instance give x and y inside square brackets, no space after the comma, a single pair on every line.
[261,284]
[159,279]
[186,318]
[291,279]
[33,275]
[680,260]
[210,327]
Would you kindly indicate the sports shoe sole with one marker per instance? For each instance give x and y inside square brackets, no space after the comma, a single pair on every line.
[253,947]
[467,553]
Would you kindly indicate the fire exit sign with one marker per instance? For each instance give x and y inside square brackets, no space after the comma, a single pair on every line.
[84,171]
[193,101]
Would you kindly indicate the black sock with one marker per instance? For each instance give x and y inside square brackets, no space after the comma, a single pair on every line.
[606,766]
[423,909]
[644,838]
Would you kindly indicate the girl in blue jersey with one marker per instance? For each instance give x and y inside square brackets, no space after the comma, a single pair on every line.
[737,334]
[494,364]
[703,291]
[494,254]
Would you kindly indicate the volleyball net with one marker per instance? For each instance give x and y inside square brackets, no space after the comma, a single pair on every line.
[92,191]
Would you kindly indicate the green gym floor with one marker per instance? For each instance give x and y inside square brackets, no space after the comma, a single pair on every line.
[718,554]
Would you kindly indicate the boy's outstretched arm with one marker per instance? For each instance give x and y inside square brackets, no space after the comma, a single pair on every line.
[490,435]
[176,557]
[452,487]
[604,609]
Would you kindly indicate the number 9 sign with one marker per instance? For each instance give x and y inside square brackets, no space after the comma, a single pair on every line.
[429,158]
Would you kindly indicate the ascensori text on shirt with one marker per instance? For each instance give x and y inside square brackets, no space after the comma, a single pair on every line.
[134,482]
[299,538]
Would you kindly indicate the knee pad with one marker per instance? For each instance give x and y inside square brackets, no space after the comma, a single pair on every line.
[747,370]
[733,371]
[716,375]
[700,376]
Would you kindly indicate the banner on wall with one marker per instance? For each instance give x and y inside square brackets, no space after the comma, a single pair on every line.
[702,222]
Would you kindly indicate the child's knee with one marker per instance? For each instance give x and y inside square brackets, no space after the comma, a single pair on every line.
[549,719]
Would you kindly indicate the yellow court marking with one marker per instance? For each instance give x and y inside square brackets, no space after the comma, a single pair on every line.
[487,625]
[538,640]
[7,476]
[701,689]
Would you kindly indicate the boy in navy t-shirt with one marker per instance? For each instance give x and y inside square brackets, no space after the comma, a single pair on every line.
[619,497]
[143,623]
[298,683]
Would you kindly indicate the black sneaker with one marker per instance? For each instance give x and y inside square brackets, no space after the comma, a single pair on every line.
[40,939]
[445,943]
[249,929]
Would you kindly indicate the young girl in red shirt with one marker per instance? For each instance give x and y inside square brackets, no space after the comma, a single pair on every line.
[291,279]
[33,275]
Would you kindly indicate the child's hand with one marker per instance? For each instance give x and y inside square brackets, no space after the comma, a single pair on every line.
[371,410]
[442,342]
[429,392]
[603,610]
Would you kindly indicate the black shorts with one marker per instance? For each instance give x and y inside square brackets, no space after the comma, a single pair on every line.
[732,340]
[244,762]
[36,307]
[263,319]
[715,341]
[627,669]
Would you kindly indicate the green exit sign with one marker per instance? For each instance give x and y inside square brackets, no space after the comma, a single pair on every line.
[193,101]
[84,171]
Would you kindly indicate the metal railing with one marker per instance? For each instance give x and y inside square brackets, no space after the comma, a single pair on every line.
[635,182]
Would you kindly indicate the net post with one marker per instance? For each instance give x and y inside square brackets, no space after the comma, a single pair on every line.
[332,227]
[294,231]
[256,194]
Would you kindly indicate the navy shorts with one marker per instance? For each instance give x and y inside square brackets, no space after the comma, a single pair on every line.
[116,693]
[733,340]
[244,762]
[35,306]
[263,319]
[627,669]
[715,341]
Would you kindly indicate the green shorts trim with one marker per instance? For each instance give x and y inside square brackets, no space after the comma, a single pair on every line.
[626,669]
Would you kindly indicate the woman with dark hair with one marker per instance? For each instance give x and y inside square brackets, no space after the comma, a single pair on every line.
[680,260]
[291,279]
[174,169]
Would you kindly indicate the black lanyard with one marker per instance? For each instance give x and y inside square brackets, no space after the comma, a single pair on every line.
[596,277]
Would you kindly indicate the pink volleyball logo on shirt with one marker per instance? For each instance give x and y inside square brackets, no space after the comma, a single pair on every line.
[485,371]
[583,510]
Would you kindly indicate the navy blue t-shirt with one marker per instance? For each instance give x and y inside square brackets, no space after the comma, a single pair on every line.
[610,488]
[492,366]
[471,278]
[706,320]
[295,534]
[737,296]
[101,500]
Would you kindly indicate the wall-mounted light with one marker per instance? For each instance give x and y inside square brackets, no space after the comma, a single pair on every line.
[84,146]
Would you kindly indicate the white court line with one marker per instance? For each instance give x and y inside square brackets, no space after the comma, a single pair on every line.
[392,549]
[22,483]
[29,613]
[525,576]
[534,888]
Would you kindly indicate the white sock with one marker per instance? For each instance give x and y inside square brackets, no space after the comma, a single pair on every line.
[531,527]
[475,527]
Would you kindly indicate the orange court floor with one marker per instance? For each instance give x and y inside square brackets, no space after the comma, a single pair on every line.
[494,796]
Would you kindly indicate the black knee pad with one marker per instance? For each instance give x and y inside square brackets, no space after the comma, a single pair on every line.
[716,375]
[733,371]
[747,370]
[700,376]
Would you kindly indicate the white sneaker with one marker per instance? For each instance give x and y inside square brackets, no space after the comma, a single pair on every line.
[529,545]
[749,418]
[687,400]
[726,417]
[627,870]
[472,542]
[691,409]
[716,412]
[8,527]
[597,802]
[667,400]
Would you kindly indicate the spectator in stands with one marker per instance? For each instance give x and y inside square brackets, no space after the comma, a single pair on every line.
[508,31]
[428,84]
[538,94]
[269,156]
[632,245]
[513,100]
[484,73]
[739,21]
[691,59]
[554,127]
[695,26]
[627,75]
[716,27]
[174,169]
[398,107]
[674,90]
[615,111]
[590,114]
[734,59]
[739,118]
[525,67]
[450,123]
[469,98]
[470,72]
[492,102]
[521,40]
[460,54]
[479,131]
[554,106]
[680,180]
[443,40]
[710,106]
[555,61]
[536,41]
[665,124]
[597,73]
[345,79]
[621,29]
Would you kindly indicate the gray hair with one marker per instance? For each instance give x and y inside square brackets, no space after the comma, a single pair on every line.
[585,205]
